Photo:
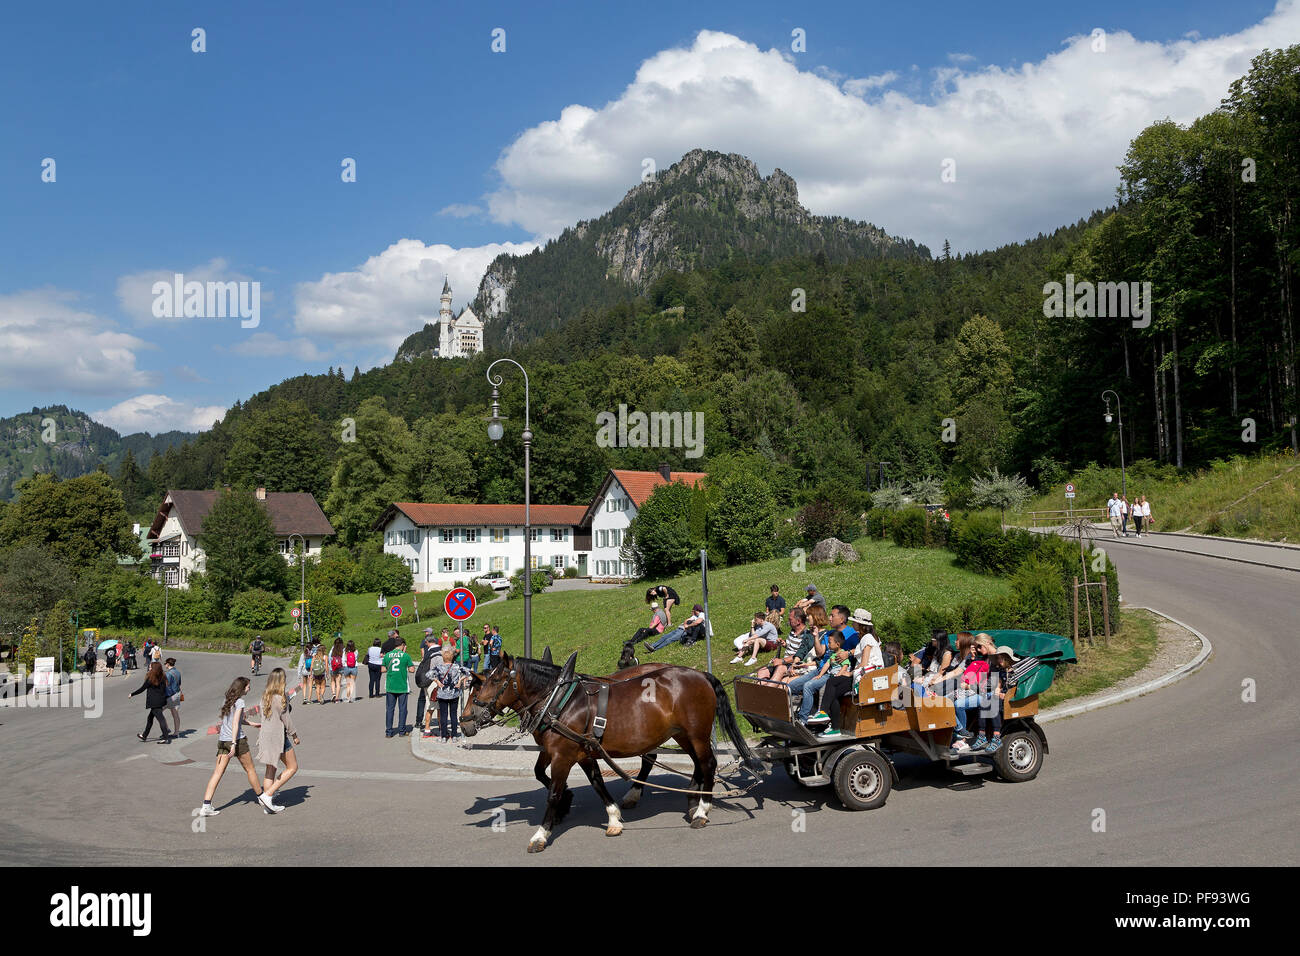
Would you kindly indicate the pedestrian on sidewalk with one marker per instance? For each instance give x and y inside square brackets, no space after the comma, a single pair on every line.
[231,739]
[350,672]
[448,677]
[274,743]
[319,662]
[336,670]
[428,657]
[174,695]
[397,667]
[1124,515]
[154,689]
[1147,523]
[1137,516]
[304,672]
[493,649]
[1115,508]
[375,665]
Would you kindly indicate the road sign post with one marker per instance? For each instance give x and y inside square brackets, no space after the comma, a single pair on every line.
[459,604]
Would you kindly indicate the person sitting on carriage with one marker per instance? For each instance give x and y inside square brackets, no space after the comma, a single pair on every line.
[993,688]
[944,681]
[688,633]
[761,637]
[835,660]
[798,647]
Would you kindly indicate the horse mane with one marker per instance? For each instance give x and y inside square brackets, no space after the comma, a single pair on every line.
[537,673]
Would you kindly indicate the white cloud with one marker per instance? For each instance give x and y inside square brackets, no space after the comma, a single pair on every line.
[461,210]
[394,293]
[862,85]
[135,291]
[268,345]
[158,413]
[48,343]
[1036,145]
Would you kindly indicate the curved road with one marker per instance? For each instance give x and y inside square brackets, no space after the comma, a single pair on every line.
[1188,775]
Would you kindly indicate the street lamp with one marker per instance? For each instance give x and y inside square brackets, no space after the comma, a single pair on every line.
[1123,475]
[495,431]
[302,593]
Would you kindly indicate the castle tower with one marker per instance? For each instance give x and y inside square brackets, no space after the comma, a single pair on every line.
[446,324]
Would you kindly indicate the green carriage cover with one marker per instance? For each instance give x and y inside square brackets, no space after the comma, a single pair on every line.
[1052,649]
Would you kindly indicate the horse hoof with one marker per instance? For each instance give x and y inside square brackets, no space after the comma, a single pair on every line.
[629,804]
[699,823]
[536,847]
[612,831]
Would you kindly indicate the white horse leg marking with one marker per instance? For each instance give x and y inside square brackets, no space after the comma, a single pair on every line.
[615,821]
[541,836]
[702,809]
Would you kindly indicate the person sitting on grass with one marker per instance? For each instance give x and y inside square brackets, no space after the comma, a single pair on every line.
[797,646]
[775,605]
[761,638]
[658,624]
[688,633]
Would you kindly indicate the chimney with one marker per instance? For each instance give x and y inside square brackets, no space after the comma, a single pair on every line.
[261,493]
[665,471]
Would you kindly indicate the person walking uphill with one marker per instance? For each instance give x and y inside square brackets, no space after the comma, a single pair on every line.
[232,740]
[154,689]
[397,666]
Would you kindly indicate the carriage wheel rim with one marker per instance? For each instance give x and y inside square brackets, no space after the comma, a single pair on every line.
[1021,754]
[865,781]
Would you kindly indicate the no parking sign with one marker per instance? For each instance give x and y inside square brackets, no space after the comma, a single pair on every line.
[459,604]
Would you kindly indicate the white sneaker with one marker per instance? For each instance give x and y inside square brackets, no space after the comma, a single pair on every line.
[208,810]
[751,662]
[267,804]
[738,658]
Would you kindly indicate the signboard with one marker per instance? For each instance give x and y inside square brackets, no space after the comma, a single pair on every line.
[1069,489]
[1069,494]
[459,604]
[43,673]
[296,612]
[296,626]
[395,610]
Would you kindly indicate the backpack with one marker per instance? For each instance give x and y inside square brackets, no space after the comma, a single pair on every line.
[336,664]
[352,658]
[422,676]
[318,664]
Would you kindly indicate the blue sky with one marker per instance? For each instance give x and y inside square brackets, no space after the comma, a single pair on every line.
[226,164]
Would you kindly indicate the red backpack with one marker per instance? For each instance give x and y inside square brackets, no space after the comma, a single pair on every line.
[336,664]
[352,658]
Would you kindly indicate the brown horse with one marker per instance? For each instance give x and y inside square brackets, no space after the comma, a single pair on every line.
[648,705]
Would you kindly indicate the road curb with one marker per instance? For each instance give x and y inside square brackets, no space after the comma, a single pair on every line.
[1101,543]
[1177,674]
[1215,537]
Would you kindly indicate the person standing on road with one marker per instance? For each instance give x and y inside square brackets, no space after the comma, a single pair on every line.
[92,658]
[154,689]
[397,665]
[375,665]
[493,649]
[231,739]
[255,651]
[1115,508]
[1147,523]
[1125,511]
[319,663]
[304,672]
[273,743]
[174,695]
[448,679]
[350,672]
[428,657]
[1137,516]
[121,657]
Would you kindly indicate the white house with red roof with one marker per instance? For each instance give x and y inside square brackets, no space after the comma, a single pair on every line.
[446,543]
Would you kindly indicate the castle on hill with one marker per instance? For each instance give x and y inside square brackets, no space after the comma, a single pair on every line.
[460,336]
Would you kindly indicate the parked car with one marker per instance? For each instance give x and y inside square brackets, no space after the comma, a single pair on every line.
[496,580]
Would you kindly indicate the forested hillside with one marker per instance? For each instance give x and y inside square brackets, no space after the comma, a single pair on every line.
[807,367]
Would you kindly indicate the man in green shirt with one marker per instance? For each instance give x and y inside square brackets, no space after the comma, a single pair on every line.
[397,665]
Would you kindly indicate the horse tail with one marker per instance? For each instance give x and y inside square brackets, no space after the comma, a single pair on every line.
[728,721]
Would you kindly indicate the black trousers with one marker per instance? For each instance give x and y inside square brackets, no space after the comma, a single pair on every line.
[156,712]
[835,688]
[376,673]
[423,694]
[447,716]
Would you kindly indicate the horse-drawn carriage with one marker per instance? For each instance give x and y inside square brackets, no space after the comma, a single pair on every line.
[884,719]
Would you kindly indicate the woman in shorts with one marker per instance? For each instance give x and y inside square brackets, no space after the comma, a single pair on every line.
[350,672]
[231,739]
[276,741]
[336,665]
[304,672]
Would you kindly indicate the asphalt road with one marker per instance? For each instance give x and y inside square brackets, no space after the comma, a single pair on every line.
[1190,775]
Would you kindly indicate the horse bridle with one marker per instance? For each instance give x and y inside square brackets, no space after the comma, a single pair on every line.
[495,716]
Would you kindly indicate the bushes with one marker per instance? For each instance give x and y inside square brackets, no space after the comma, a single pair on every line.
[980,544]
[822,518]
[327,614]
[877,522]
[256,609]
[571,571]
[517,583]
[907,528]
[384,573]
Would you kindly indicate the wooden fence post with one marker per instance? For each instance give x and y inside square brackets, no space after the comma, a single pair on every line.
[1105,610]
[1076,612]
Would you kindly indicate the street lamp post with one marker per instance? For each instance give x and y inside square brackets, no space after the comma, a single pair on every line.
[495,431]
[1123,475]
[302,591]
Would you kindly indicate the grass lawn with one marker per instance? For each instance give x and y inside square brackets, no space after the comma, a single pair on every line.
[1130,649]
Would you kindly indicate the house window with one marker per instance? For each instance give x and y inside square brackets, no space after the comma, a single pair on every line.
[415,565]
[557,562]
[448,535]
[471,564]
[471,535]
[627,569]
[533,562]
[171,550]
[498,564]
[558,534]
[447,566]
[532,534]
[498,535]
[602,538]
